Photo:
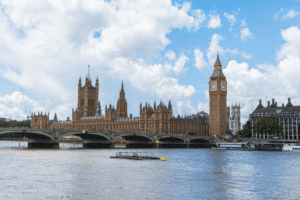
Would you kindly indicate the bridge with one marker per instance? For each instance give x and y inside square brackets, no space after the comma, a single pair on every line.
[49,138]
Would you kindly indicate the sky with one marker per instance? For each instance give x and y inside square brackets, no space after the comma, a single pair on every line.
[163,50]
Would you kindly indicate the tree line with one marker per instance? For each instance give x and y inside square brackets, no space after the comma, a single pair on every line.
[12,124]
[268,125]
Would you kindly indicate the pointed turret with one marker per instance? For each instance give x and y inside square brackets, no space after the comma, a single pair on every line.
[97,82]
[79,83]
[98,111]
[170,105]
[217,68]
[218,60]
[122,92]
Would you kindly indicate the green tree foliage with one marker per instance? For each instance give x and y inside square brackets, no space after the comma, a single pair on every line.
[246,131]
[268,125]
[12,124]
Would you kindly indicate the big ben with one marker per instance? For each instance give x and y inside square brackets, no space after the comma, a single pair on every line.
[217,101]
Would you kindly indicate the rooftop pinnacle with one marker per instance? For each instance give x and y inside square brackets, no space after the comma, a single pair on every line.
[218,60]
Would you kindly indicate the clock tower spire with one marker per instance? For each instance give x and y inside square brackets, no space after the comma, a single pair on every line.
[217,101]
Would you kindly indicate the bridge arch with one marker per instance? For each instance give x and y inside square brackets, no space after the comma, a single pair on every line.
[199,140]
[134,136]
[31,134]
[199,143]
[172,142]
[172,138]
[86,136]
[137,141]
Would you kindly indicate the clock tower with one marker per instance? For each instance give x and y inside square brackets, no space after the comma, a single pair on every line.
[217,101]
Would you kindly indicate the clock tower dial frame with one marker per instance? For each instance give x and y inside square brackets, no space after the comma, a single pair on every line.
[217,101]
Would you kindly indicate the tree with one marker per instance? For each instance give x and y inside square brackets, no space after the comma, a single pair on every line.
[246,131]
[268,125]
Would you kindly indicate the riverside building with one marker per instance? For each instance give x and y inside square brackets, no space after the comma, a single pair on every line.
[288,117]
[152,119]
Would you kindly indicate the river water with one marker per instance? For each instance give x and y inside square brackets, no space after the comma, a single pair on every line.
[74,173]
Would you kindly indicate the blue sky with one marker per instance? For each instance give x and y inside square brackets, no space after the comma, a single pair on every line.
[161,49]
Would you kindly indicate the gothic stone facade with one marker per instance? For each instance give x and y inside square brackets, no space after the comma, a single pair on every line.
[234,121]
[217,101]
[156,119]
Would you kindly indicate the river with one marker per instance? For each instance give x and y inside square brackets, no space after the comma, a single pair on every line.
[74,173]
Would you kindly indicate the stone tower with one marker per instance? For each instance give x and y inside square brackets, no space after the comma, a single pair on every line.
[235,120]
[87,97]
[99,110]
[217,101]
[122,104]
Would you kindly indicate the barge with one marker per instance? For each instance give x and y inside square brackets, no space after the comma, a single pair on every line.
[135,156]
[234,146]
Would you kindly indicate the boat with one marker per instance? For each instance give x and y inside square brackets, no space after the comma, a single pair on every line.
[294,147]
[135,156]
[232,146]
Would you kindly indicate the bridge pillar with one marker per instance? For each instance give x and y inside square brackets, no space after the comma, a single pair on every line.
[42,143]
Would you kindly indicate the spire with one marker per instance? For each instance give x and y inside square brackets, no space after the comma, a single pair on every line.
[89,71]
[79,83]
[218,60]
[170,105]
[97,82]
[98,111]
[122,93]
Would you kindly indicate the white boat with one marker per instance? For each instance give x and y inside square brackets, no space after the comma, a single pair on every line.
[294,147]
[230,146]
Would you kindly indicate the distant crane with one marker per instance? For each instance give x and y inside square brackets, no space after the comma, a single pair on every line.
[28,117]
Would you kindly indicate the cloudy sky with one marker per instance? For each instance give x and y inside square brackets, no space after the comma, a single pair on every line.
[161,49]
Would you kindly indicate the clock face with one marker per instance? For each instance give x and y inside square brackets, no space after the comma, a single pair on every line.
[223,86]
[213,86]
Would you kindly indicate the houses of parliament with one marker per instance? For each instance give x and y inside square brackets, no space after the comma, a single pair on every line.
[152,119]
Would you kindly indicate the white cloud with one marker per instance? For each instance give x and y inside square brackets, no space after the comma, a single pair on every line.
[276,16]
[289,15]
[54,40]
[215,47]
[200,63]
[231,18]
[153,79]
[179,65]
[170,55]
[291,47]
[246,33]
[12,106]
[268,81]
[184,108]
[199,15]
[214,21]
[243,23]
